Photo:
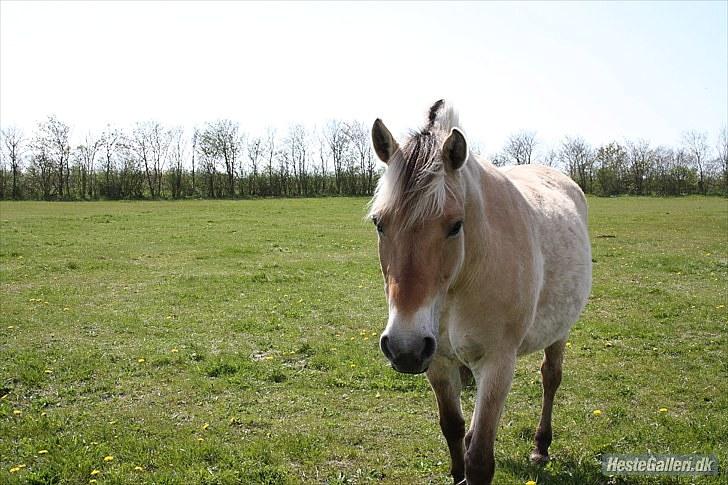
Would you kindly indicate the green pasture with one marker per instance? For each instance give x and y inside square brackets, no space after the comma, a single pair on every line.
[236,342]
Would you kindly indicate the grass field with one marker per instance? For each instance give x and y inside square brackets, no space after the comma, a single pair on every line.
[236,342]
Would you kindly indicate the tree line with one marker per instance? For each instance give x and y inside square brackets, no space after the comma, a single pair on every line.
[220,160]
[633,167]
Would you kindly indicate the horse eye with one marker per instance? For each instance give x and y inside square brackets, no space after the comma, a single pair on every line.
[455,230]
[380,227]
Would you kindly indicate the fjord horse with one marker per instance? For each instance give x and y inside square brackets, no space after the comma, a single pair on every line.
[480,265]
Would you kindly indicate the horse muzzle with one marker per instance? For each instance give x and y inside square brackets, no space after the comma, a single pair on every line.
[409,356]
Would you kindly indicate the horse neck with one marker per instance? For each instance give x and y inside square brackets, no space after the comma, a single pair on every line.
[477,177]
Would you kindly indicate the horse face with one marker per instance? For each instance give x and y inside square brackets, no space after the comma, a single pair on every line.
[419,265]
[419,217]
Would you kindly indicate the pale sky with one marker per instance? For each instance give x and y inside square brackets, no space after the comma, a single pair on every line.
[601,70]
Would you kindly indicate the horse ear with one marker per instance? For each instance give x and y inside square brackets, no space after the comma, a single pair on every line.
[455,149]
[383,141]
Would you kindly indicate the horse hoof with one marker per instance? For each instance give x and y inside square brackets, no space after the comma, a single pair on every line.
[538,458]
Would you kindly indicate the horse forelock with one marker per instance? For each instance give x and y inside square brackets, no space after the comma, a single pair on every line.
[414,186]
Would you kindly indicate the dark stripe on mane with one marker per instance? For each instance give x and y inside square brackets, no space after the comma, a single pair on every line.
[432,115]
[419,152]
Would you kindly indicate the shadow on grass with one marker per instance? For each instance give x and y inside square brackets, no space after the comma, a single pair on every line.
[561,471]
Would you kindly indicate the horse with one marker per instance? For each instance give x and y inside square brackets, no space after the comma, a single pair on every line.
[480,265]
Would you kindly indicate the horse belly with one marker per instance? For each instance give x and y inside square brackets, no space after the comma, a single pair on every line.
[567,268]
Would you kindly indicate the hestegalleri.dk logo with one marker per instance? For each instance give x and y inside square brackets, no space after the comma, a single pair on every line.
[659,464]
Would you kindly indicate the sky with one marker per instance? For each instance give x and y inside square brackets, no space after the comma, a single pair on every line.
[605,71]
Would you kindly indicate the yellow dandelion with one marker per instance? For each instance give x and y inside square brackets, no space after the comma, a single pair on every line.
[597,412]
[205,426]
[15,469]
[663,410]
[95,472]
[351,338]
[10,327]
[138,468]
[141,360]
[17,412]
[65,308]
[268,357]
[112,422]
[530,482]
[568,344]
[377,395]
[174,351]
[93,480]
[374,334]
[200,439]
[42,452]
[108,458]
[352,365]
[720,306]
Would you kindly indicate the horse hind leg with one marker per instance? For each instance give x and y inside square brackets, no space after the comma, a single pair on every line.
[551,375]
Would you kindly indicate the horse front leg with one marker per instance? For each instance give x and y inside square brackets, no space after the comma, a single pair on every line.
[444,377]
[493,379]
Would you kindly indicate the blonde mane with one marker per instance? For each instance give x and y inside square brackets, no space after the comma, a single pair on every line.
[414,185]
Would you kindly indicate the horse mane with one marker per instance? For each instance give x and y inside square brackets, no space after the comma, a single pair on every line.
[414,186]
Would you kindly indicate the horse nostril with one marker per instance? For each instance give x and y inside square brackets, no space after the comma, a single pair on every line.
[429,349]
[385,349]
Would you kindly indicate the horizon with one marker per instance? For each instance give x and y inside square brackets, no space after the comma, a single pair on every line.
[605,72]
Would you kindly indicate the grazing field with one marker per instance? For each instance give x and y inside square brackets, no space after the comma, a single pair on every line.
[236,342]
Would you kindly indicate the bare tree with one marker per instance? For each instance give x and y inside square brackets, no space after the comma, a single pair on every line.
[297,156]
[323,165]
[13,142]
[42,169]
[221,141]
[150,142]
[52,139]
[696,144]
[270,147]
[358,135]
[520,147]
[195,138]
[338,144]
[111,139]
[551,158]
[176,159]
[86,158]
[640,161]
[255,152]
[577,156]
